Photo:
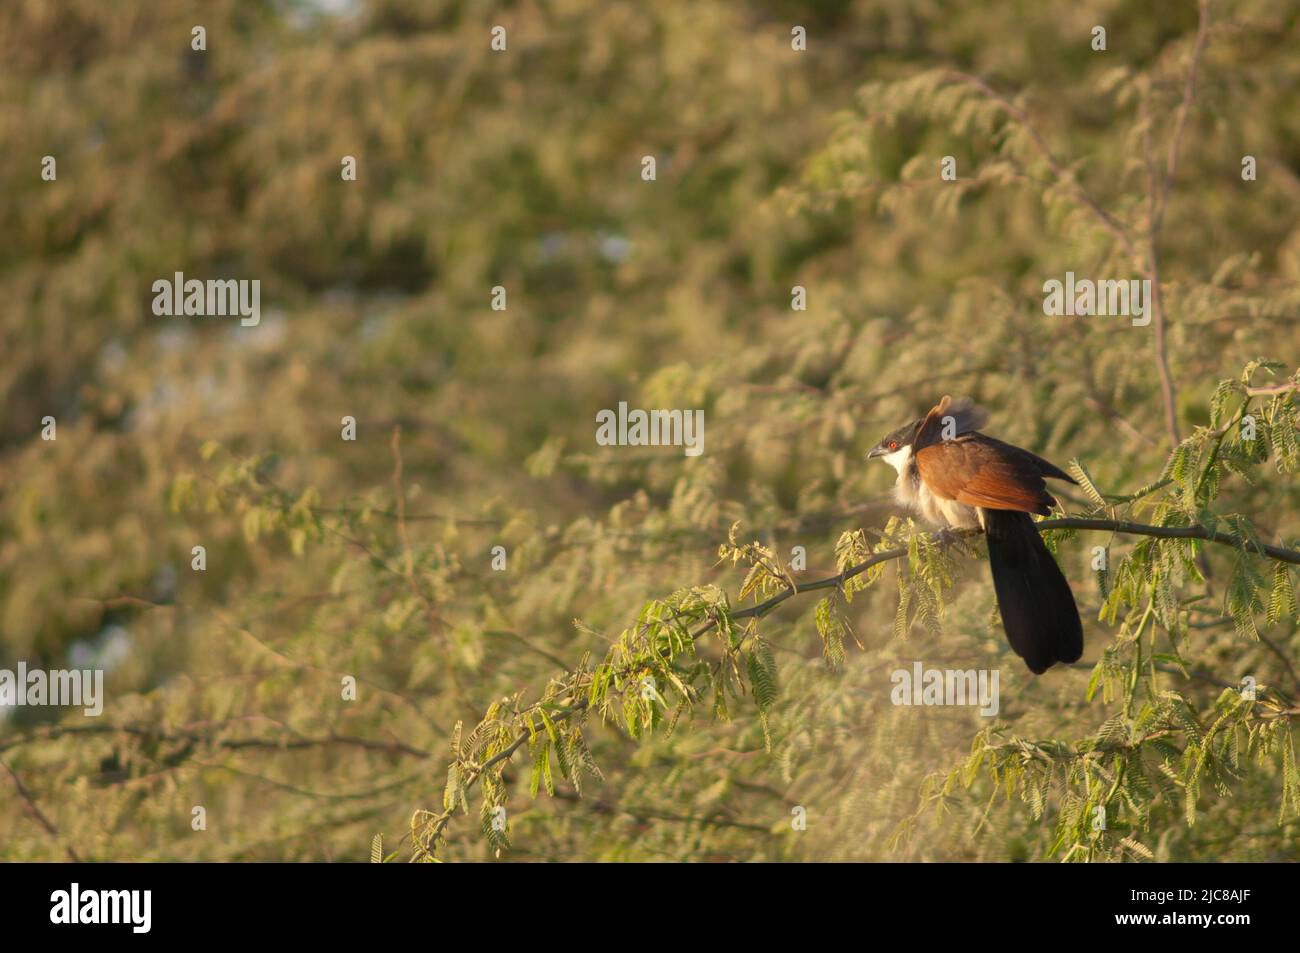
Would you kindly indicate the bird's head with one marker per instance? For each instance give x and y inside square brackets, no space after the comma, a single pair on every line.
[896,446]
[955,417]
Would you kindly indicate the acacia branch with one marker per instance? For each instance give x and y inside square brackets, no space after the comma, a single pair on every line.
[29,803]
[1195,531]
[1279,553]
[290,743]
[1273,390]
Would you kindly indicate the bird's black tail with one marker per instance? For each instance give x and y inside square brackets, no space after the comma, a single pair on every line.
[1037,606]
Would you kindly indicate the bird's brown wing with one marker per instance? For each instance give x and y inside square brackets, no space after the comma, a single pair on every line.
[978,471]
[1045,468]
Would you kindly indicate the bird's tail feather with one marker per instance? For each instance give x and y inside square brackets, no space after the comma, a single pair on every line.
[1037,606]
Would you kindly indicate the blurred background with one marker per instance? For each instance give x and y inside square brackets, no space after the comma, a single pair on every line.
[775,168]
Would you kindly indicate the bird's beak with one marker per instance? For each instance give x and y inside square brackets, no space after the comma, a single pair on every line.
[876,452]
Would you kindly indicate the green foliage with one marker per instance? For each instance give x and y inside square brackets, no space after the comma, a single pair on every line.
[650,677]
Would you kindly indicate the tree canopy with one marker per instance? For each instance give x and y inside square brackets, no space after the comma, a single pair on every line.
[475,632]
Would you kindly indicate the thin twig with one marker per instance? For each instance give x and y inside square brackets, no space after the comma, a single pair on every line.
[1273,390]
[1158,198]
[37,815]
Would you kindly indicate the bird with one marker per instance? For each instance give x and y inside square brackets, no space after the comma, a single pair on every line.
[957,478]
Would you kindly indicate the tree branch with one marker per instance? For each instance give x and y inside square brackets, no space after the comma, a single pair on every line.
[1065,522]
[1280,553]
[37,814]
[290,743]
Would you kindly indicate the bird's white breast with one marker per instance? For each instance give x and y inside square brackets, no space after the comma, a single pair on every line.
[913,494]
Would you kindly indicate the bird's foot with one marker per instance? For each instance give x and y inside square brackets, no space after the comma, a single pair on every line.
[946,539]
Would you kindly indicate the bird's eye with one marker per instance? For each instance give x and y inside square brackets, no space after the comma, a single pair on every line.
[893,445]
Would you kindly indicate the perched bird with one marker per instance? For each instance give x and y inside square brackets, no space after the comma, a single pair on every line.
[958,478]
